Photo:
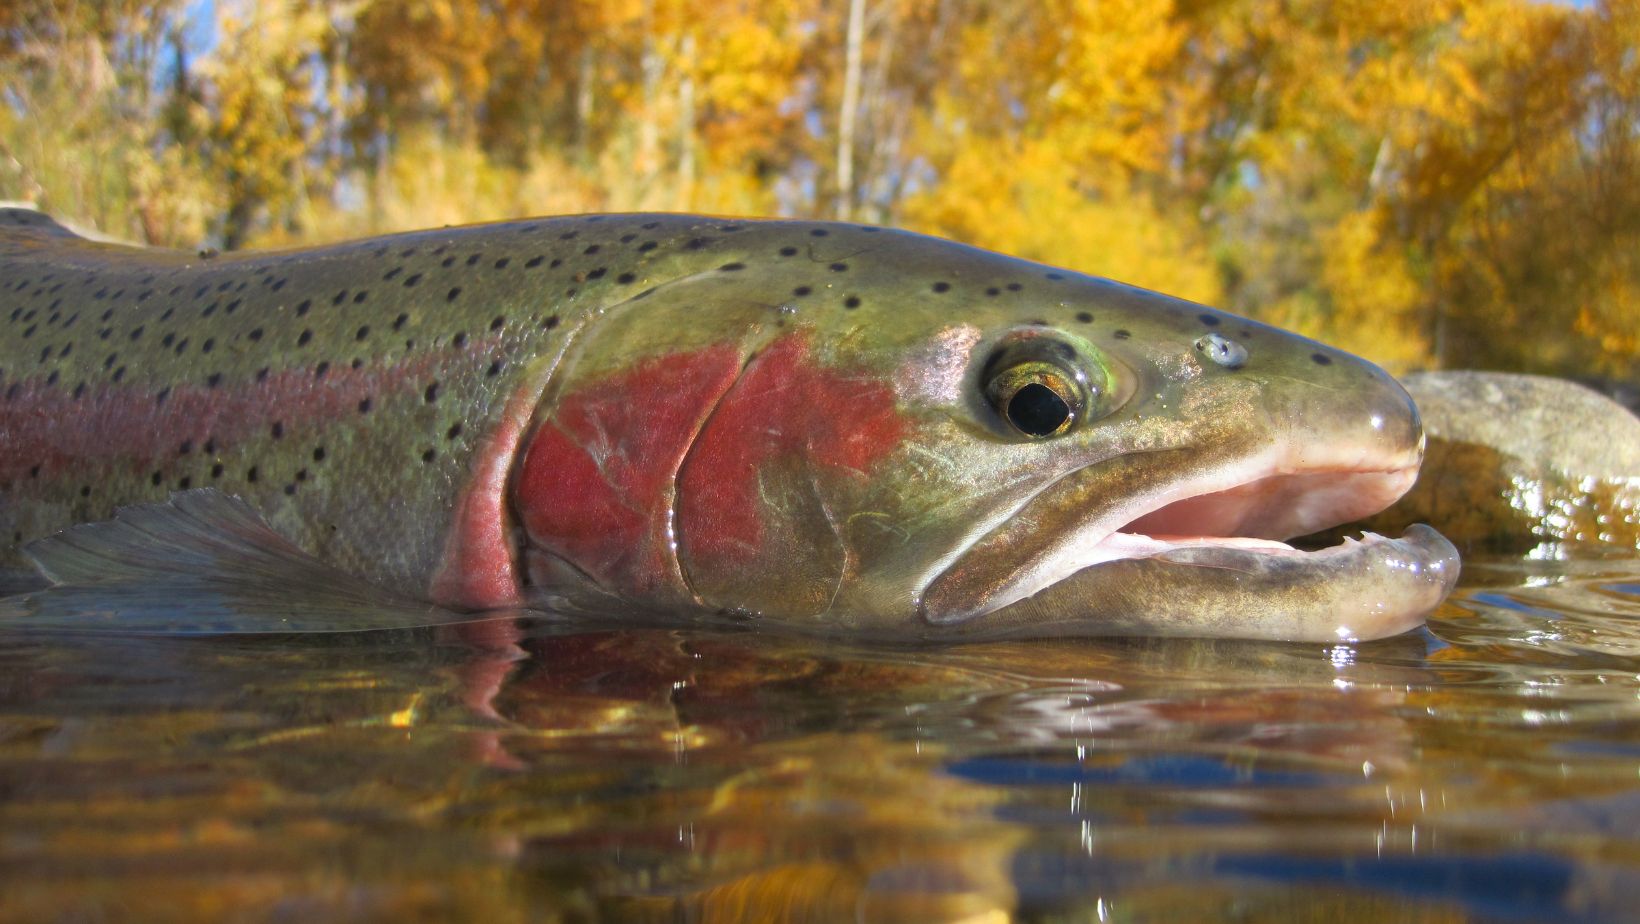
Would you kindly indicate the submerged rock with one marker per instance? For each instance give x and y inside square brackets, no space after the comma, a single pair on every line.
[1517,460]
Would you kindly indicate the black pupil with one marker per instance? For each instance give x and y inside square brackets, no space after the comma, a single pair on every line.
[1037,410]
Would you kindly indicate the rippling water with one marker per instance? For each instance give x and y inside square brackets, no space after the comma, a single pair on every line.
[1486,769]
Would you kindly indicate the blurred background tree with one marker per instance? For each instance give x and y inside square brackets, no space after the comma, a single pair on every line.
[1432,183]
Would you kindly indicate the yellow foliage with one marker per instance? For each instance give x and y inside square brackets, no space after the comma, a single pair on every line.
[1027,201]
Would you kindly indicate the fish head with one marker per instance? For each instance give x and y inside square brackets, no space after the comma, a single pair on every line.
[884,433]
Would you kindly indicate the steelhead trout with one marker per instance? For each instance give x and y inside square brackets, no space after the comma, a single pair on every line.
[809,424]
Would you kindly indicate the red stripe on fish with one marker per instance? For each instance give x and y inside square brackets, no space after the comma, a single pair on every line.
[789,408]
[137,425]
[597,483]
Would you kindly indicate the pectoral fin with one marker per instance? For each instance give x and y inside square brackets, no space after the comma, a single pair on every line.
[200,563]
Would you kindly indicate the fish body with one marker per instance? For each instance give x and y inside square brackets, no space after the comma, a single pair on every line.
[823,425]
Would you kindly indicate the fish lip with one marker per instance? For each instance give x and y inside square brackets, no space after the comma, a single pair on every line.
[1352,592]
[1353,484]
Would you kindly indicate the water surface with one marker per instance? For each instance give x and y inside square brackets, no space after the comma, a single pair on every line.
[1485,769]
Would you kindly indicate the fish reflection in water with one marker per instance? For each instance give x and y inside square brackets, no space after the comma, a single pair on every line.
[1481,769]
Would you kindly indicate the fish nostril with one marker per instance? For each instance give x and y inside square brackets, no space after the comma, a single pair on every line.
[1222,350]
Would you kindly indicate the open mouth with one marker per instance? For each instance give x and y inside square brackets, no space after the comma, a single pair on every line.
[1219,538]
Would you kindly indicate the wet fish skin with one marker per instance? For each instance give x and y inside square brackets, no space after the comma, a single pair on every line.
[676,414]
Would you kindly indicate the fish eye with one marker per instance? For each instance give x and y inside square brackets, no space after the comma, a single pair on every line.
[1038,398]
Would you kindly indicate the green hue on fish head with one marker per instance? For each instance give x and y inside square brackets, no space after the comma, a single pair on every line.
[896,433]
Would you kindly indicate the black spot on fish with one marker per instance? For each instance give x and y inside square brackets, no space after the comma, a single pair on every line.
[278,429]
[52,378]
[626,278]
[801,291]
[697,243]
[429,455]
[232,306]
[407,252]
[447,262]
[1014,287]
[302,308]
[301,474]
[598,273]
[942,287]
[364,408]
[451,295]
[398,322]
[839,267]
[216,470]
[262,374]
[647,246]
[304,337]
[732,267]
[320,370]
[85,490]
[319,451]
[214,379]
[568,235]
[494,370]
[650,225]
[788,251]
[119,374]
[208,345]
[533,262]
[555,263]
[79,391]
[278,284]
[502,263]
[362,332]
[250,474]
[431,394]
[210,446]
[550,322]
[454,431]
[473,259]
[290,489]
[818,232]
[1208,319]
[186,447]
[162,394]
[1321,359]
[156,478]
[498,322]
[361,296]
[255,334]
[1054,276]
[459,340]
[184,483]
[853,301]
[628,238]
[411,280]
[1122,335]
[1084,316]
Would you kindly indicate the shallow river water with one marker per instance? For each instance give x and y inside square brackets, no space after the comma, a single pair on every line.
[1484,769]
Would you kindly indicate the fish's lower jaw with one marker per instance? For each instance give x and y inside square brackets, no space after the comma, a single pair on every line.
[1356,591]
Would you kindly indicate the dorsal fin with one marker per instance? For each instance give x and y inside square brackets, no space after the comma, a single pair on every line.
[200,563]
[15,220]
